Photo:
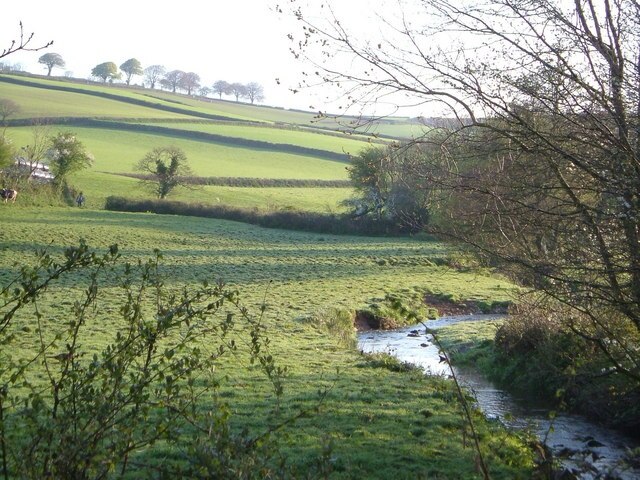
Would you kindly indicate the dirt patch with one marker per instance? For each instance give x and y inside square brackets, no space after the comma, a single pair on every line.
[362,322]
[365,320]
[448,308]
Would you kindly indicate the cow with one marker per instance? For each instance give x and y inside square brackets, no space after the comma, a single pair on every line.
[8,194]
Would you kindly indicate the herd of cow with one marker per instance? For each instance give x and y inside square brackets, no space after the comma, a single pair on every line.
[8,194]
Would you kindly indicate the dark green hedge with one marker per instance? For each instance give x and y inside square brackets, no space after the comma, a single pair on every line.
[253,182]
[285,219]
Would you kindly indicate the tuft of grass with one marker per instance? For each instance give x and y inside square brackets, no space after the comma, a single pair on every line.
[338,322]
[391,363]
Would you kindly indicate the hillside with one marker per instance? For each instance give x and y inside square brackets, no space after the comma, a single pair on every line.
[120,125]
[369,416]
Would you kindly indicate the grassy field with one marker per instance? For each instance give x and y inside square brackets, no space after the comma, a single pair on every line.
[383,419]
[98,186]
[118,151]
[371,415]
[332,143]
[55,106]
[41,102]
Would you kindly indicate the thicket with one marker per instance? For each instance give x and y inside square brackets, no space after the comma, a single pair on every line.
[538,354]
[286,219]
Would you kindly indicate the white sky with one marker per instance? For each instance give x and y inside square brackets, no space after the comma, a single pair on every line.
[232,40]
[236,40]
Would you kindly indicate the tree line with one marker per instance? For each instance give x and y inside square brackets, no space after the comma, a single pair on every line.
[158,75]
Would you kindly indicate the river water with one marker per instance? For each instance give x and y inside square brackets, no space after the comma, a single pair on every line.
[584,447]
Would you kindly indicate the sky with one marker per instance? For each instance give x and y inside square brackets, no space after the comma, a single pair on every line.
[237,41]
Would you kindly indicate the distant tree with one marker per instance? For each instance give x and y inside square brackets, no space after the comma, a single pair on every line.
[67,155]
[238,90]
[165,168]
[34,155]
[131,67]
[7,108]
[7,152]
[153,74]
[23,44]
[204,91]
[189,82]
[171,80]
[68,73]
[221,87]
[255,92]
[51,60]
[106,71]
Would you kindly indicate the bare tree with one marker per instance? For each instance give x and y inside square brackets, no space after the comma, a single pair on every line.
[7,108]
[238,90]
[32,157]
[23,44]
[189,82]
[544,169]
[254,92]
[153,74]
[172,79]
[221,87]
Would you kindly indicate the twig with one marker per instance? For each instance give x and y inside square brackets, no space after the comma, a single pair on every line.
[465,405]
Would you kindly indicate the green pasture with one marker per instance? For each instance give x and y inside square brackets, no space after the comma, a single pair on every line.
[125,94]
[97,186]
[240,111]
[42,102]
[304,138]
[402,130]
[261,113]
[382,424]
[118,151]
[305,271]
[400,127]
[39,102]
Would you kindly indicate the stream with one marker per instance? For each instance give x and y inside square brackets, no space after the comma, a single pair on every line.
[593,451]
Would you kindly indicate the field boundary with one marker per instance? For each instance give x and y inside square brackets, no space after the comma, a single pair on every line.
[250,182]
[327,223]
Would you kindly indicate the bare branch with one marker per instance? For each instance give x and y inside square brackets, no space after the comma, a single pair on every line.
[23,44]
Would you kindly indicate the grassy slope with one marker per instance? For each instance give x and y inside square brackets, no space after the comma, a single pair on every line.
[117,151]
[372,415]
[98,186]
[40,102]
[332,143]
[400,127]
